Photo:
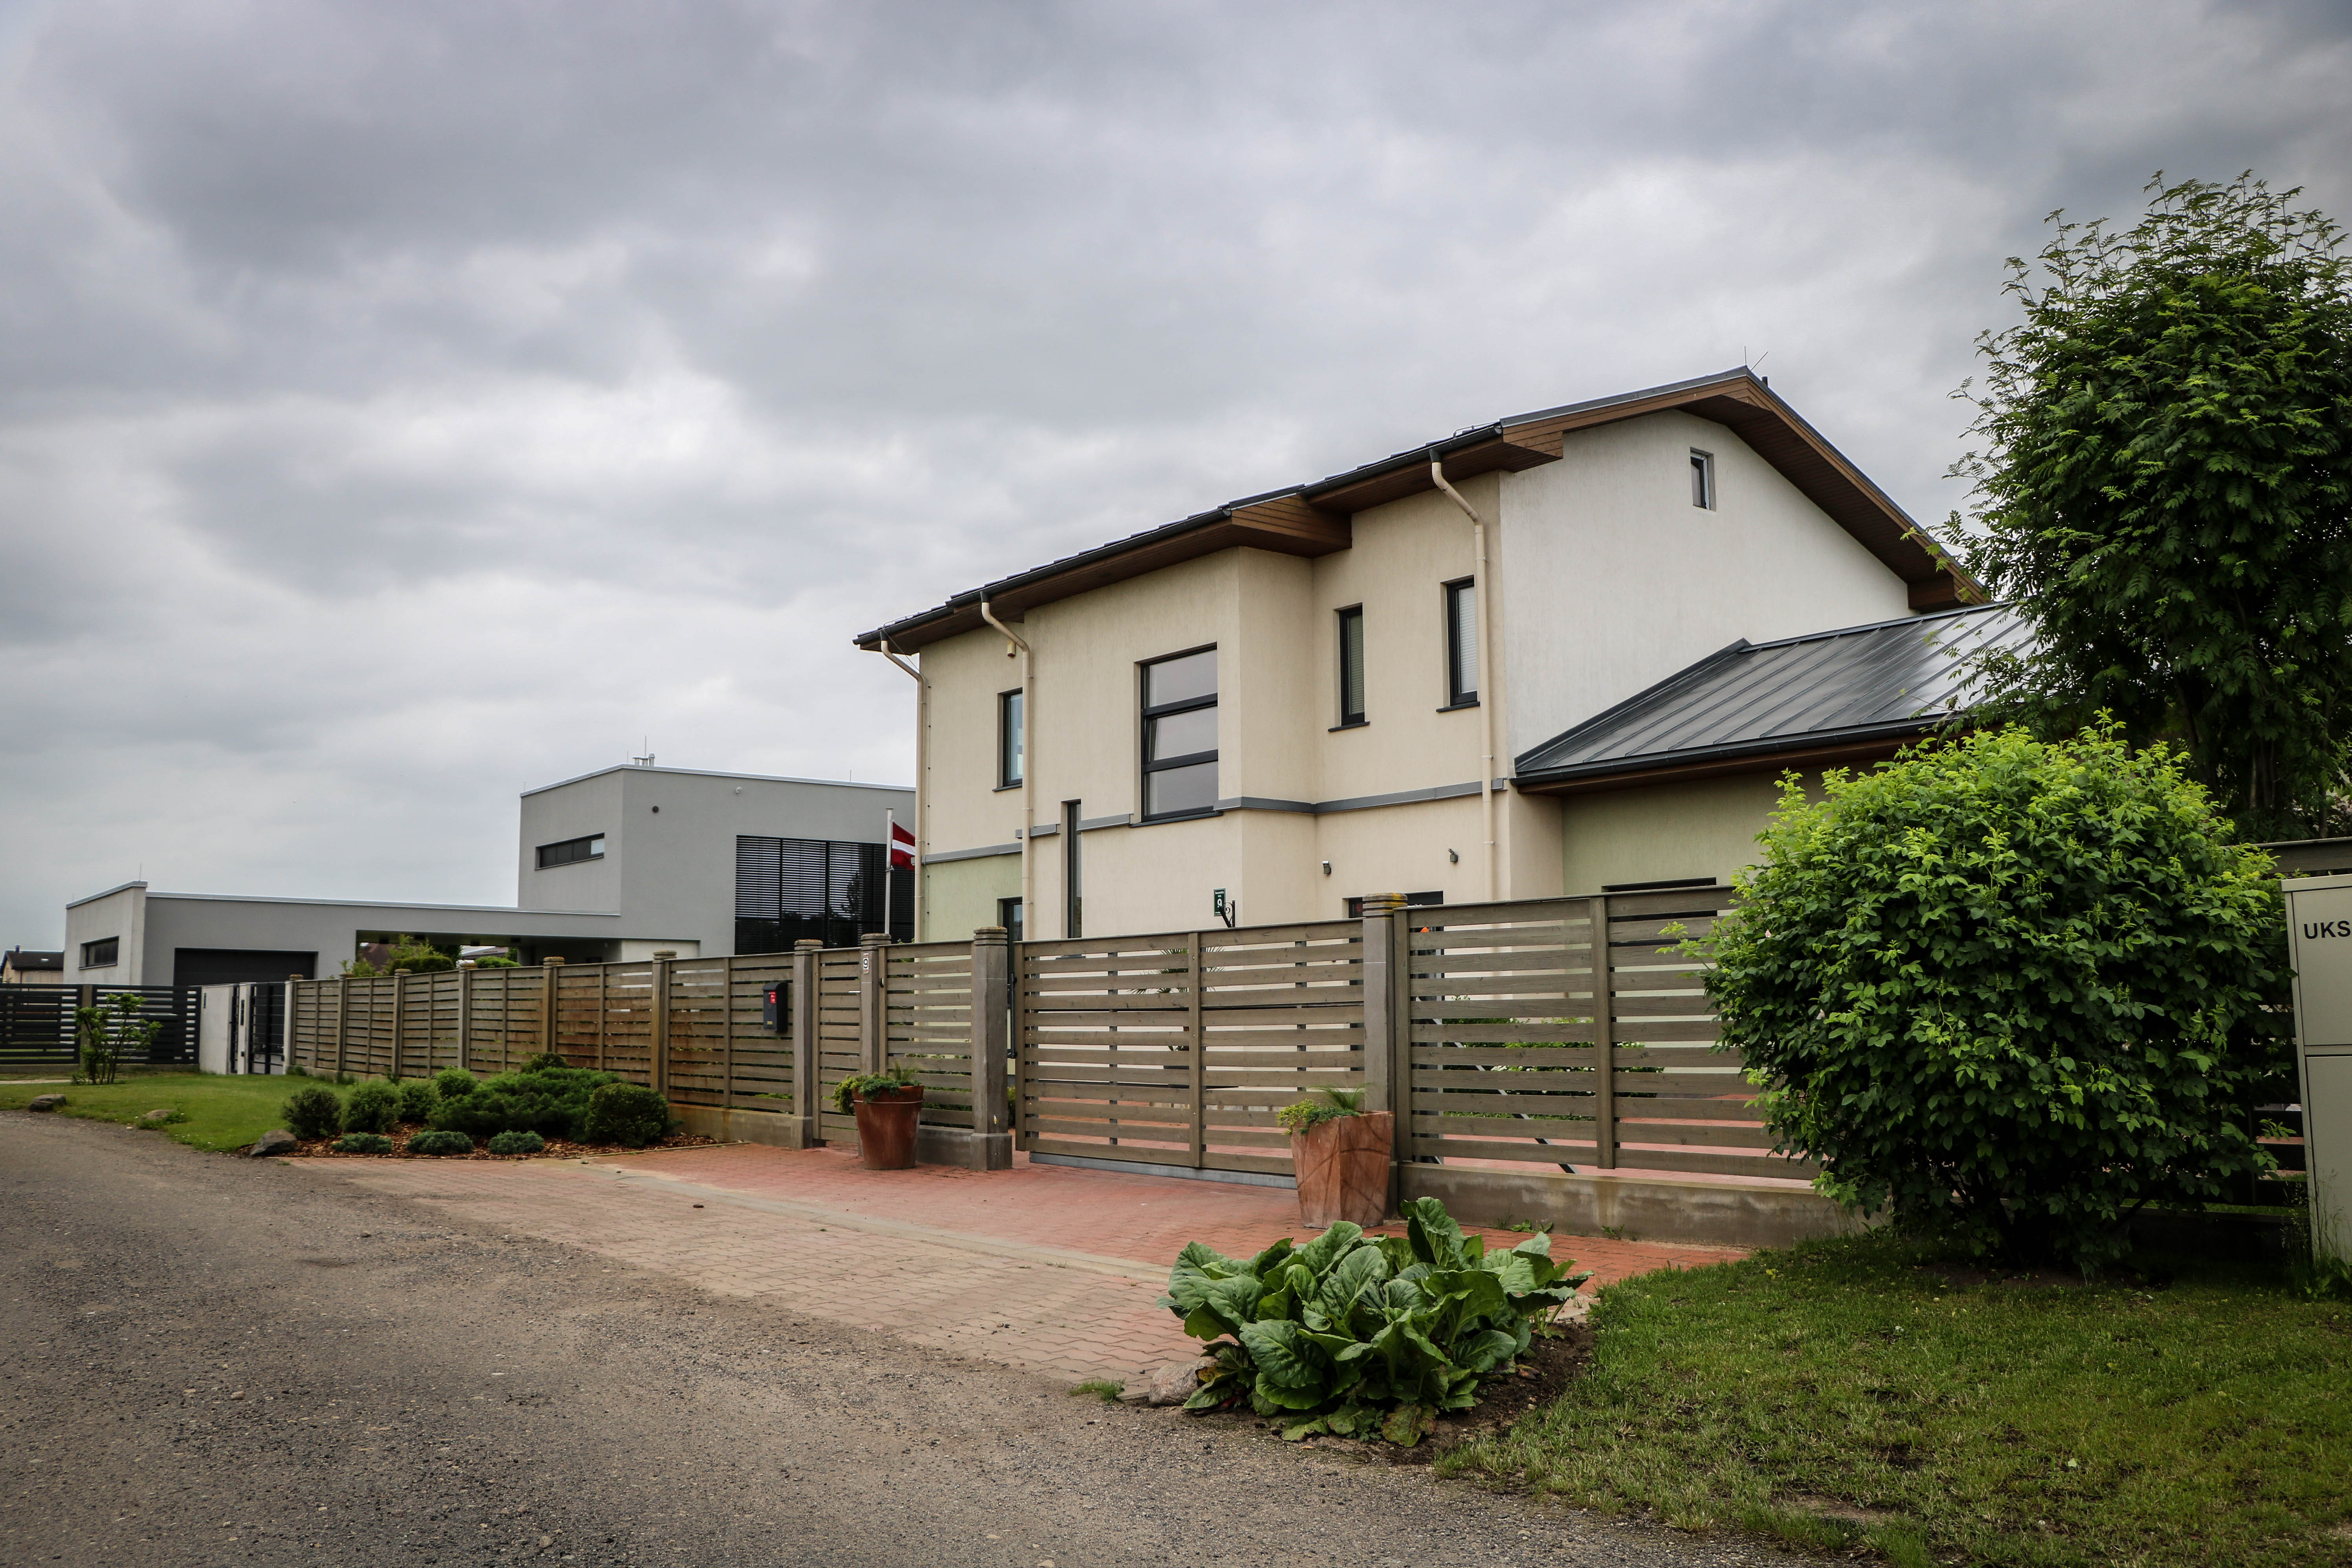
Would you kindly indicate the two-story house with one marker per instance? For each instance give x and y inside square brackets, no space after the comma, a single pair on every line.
[1545,655]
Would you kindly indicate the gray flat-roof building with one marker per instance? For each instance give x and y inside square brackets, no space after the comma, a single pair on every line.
[616,864]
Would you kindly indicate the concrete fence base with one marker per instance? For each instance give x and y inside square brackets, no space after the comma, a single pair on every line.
[957,1146]
[1638,1208]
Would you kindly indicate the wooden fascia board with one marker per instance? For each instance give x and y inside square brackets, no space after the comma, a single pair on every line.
[1496,454]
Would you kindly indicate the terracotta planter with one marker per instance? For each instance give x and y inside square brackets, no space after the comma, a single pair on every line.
[886,1129]
[1343,1169]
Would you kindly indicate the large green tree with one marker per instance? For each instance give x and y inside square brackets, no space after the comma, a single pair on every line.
[2164,489]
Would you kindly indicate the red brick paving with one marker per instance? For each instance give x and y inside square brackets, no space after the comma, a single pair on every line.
[1047,1268]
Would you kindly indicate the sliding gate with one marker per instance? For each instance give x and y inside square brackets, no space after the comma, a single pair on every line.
[1177,1050]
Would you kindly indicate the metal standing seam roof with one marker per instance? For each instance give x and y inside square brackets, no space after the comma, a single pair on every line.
[1889,679]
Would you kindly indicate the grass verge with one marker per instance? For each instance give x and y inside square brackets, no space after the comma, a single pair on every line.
[1856,1393]
[220,1112]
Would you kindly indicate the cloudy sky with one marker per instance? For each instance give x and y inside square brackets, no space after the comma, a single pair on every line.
[405,405]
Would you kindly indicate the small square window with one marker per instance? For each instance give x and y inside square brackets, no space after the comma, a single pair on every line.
[1702,478]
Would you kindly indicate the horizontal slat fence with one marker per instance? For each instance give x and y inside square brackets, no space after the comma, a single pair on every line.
[840,1038]
[927,1010]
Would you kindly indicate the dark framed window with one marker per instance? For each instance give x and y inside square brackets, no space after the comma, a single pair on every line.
[1073,882]
[1008,915]
[101,953]
[828,890]
[1351,665]
[1462,642]
[1412,902]
[1009,741]
[573,850]
[1180,735]
[1702,478]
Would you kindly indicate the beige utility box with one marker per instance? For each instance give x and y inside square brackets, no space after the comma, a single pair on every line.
[2319,945]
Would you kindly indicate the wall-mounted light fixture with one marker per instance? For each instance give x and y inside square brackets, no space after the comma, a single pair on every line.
[1327,867]
[1454,856]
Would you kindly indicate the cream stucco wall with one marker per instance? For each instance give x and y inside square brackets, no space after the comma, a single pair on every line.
[1663,832]
[959,896]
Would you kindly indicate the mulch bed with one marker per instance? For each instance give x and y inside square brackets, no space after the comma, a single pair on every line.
[557,1148]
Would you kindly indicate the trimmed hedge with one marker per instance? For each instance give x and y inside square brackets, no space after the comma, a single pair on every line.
[440,1143]
[517,1143]
[373,1107]
[453,1083]
[628,1114]
[418,1101]
[364,1143]
[313,1112]
[552,1102]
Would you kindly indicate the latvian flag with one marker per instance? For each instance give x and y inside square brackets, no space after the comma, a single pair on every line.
[902,847]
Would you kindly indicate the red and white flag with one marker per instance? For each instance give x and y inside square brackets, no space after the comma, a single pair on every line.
[902,846]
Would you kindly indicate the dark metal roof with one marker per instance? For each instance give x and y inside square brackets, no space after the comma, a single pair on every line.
[21,959]
[1886,681]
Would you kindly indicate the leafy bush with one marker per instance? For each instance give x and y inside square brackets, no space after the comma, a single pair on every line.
[1329,1105]
[547,1061]
[364,1143]
[418,1101]
[454,1083]
[440,1143]
[1327,1336]
[517,1143]
[552,1102]
[373,1107]
[296,1070]
[2011,990]
[313,1113]
[628,1114]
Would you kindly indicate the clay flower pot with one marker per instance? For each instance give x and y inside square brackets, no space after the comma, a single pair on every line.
[1343,1168]
[886,1129]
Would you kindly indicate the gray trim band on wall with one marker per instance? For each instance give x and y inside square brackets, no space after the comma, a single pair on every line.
[980,854]
[1355,802]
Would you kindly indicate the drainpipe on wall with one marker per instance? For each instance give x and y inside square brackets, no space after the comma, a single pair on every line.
[1487,687]
[1028,763]
[922,773]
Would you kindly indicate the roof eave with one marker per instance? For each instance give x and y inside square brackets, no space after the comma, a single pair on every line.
[1743,756]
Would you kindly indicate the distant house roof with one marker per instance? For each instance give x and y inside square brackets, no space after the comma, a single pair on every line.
[1314,519]
[24,959]
[1826,698]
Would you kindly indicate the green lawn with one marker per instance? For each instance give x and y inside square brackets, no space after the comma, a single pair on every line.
[222,1112]
[1843,1393]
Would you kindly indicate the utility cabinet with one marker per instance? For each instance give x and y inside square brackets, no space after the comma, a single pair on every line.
[2319,945]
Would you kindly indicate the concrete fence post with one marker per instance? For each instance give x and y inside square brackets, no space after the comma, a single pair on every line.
[804,1041]
[1388,1025]
[399,997]
[872,1021]
[466,973]
[342,1017]
[657,1070]
[550,971]
[991,1024]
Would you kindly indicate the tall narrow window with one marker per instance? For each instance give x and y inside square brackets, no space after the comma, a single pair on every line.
[1351,665]
[1180,735]
[1009,738]
[1461,643]
[1702,478]
[1074,882]
[1008,915]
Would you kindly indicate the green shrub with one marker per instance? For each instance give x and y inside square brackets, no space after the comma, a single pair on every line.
[296,1070]
[373,1107]
[870,1085]
[552,1102]
[418,1101]
[1329,1336]
[628,1114]
[1329,1105]
[547,1061]
[453,1083]
[2011,990]
[364,1143]
[515,1143]
[313,1112]
[440,1143]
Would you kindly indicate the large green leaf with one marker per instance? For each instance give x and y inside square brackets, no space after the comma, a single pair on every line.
[1283,1355]
[1435,1238]
[1486,1351]
[1266,1262]
[1407,1424]
[1328,1249]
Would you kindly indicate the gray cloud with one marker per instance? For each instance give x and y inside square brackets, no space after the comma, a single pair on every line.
[404,407]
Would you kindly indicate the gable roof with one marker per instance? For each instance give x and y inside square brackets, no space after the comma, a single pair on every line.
[1313,519]
[1820,698]
[24,960]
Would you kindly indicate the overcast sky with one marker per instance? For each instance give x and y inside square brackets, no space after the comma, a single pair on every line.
[404,406]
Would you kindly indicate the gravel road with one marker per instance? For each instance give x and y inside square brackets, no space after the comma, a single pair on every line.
[214,1360]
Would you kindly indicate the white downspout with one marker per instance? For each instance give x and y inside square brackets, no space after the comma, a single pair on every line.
[1028,765]
[922,773]
[1487,692]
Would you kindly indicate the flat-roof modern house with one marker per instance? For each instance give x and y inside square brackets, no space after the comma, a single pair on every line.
[1556,653]
[619,864]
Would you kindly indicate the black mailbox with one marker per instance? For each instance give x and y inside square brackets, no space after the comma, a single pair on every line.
[776,1006]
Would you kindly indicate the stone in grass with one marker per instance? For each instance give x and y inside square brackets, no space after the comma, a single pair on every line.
[158,1117]
[1171,1385]
[46,1102]
[277,1141]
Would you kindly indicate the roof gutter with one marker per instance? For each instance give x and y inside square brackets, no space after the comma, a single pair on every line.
[922,773]
[1489,687]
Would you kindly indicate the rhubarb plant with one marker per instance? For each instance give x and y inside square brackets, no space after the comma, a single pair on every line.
[1353,1334]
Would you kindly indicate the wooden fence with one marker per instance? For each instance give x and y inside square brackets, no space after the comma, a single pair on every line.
[1566,1032]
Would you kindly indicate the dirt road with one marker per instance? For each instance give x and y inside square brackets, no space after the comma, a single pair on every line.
[214,1360]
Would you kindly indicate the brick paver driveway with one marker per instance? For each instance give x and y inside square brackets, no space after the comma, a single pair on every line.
[1044,1267]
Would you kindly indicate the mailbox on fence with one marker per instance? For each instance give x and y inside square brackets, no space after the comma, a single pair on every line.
[776,1005]
[2319,944]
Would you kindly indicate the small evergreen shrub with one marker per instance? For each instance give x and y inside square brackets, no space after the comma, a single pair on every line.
[517,1143]
[546,1061]
[550,1101]
[312,1113]
[453,1083]
[373,1107]
[628,1114]
[440,1143]
[296,1070]
[364,1143]
[418,1101]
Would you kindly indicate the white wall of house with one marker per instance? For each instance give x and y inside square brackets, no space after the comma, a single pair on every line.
[119,913]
